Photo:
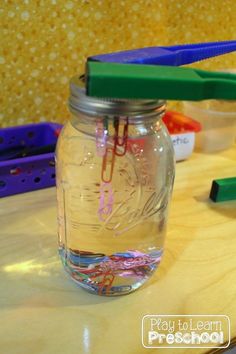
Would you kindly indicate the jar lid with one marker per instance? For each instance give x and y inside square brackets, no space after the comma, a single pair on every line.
[80,102]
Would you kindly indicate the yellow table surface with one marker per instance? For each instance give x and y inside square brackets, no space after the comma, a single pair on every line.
[43,311]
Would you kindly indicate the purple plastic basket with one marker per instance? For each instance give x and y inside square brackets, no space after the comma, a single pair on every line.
[28,173]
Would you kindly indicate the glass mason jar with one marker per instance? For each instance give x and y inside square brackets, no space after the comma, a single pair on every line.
[115,172]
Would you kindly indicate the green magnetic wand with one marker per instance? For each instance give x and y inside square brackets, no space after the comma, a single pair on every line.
[223,189]
[129,81]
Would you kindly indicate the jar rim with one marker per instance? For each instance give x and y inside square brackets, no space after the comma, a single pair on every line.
[93,106]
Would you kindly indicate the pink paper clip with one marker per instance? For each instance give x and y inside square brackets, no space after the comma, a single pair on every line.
[105,203]
[101,138]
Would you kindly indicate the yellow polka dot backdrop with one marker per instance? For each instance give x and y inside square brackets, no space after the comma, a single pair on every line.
[45,42]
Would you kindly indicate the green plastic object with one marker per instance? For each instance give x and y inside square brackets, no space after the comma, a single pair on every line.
[223,189]
[130,81]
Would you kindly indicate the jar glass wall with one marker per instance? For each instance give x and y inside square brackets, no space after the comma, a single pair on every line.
[114,181]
